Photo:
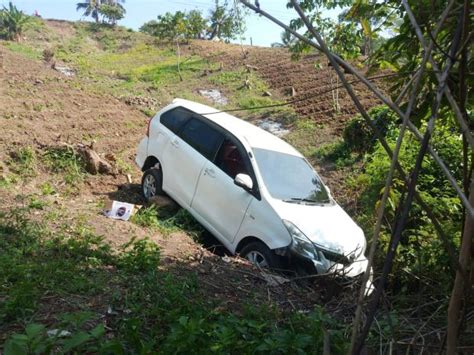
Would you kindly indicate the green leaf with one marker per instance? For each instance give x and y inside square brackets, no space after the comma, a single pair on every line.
[76,341]
[15,347]
[98,331]
[34,330]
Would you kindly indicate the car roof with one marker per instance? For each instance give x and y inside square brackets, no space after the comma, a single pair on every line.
[255,136]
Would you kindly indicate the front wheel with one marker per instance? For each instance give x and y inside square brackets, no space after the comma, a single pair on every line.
[152,183]
[260,255]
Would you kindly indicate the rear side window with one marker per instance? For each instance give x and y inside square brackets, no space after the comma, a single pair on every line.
[202,137]
[175,119]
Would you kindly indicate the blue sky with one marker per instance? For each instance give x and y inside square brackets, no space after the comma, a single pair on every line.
[262,31]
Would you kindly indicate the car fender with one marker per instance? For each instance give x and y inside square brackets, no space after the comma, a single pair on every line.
[262,222]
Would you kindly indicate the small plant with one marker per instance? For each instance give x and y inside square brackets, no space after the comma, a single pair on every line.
[24,161]
[48,55]
[141,255]
[47,189]
[12,22]
[65,160]
[36,203]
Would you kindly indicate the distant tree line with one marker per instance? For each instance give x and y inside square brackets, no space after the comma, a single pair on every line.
[111,11]
[224,22]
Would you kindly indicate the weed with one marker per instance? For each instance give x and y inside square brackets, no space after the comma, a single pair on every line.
[47,189]
[123,166]
[24,161]
[37,204]
[141,255]
[162,220]
[152,309]
[23,49]
[64,160]
[337,152]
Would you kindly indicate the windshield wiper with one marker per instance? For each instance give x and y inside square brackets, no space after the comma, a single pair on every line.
[307,200]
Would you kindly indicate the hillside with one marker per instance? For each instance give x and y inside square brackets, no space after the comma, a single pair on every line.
[119,79]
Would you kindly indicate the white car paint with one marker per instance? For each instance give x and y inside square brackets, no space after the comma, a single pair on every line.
[230,212]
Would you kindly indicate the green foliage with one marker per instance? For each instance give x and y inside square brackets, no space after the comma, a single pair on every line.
[90,7]
[177,26]
[66,161]
[110,10]
[147,308]
[24,161]
[23,49]
[223,23]
[359,136]
[167,221]
[113,12]
[357,31]
[12,22]
[421,253]
[402,53]
[140,255]
[338,153]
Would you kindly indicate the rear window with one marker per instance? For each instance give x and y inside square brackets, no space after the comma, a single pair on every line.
[202,137]
[175,119]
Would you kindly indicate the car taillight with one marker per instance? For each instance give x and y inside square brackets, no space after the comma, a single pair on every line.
[148,127]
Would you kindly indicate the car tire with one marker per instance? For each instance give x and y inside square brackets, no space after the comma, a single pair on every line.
[260,255]
[152,183]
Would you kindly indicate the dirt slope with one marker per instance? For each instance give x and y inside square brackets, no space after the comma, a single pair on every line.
[312,81]
[40,107]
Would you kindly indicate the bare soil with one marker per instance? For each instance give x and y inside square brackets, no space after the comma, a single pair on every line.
[41,107]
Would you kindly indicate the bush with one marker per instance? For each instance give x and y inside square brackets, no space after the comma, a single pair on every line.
[420,253]
[12,22]
[145,308]
[359,136]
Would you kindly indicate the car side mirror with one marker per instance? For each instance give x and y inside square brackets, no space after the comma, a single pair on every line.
[244,181]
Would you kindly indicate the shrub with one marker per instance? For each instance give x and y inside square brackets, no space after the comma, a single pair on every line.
[359,136]
[420,253]
[12,22]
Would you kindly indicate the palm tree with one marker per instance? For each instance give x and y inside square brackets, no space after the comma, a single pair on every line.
[90,7]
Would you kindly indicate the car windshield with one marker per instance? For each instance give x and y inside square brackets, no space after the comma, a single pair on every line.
[290,178]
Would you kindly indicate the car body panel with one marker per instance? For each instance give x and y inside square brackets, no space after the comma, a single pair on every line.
[142,152]
[326,225]
[220,202]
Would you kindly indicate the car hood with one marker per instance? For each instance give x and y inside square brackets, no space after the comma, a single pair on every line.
[326,225]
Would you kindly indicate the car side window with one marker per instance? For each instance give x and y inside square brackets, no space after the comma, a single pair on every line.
[175,119]
[202,137]
[230,160]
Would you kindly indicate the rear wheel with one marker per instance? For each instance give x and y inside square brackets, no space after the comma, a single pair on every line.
[152,183]
[260,255]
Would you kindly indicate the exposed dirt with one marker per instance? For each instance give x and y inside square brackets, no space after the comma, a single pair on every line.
[313,88]
[41,107]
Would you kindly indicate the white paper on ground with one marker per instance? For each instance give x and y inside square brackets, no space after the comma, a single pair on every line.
[119,210]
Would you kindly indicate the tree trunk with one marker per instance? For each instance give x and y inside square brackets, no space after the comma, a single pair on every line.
[462,281]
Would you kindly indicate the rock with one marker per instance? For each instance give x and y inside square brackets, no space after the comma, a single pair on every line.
[94,163]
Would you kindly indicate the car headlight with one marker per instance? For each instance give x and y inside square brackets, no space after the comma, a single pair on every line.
[300,242]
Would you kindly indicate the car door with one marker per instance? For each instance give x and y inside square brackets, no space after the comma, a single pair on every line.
[217,199]
[187,153]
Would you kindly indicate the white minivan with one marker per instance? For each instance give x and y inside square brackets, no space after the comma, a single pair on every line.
[253,191]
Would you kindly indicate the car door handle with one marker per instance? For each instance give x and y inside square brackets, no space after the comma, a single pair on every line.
[210,172]
[175,143]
